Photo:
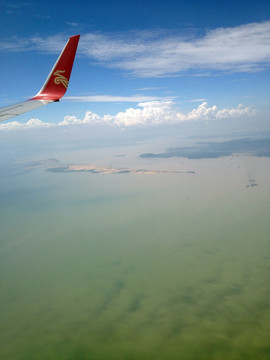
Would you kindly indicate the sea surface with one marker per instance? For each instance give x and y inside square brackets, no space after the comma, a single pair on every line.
[130,266]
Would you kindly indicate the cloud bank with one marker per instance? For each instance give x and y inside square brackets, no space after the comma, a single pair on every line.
[145,114]
[244,48]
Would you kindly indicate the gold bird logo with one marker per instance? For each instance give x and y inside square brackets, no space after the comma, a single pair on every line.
[60,79]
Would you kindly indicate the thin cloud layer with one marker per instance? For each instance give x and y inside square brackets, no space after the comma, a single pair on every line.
[146,114]
[244,48]
[238,49]
[113,98]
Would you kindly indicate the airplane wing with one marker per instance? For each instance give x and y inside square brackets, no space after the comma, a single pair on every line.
[54,87]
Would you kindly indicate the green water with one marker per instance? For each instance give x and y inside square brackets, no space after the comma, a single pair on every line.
[137,267]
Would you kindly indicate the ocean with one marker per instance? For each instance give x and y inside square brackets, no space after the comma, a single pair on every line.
[135,266]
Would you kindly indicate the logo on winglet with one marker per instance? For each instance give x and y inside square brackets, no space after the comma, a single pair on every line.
[60,79]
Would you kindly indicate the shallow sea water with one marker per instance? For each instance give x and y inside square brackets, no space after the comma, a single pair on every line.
[126,266]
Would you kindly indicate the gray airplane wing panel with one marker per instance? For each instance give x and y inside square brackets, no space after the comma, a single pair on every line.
[8,112]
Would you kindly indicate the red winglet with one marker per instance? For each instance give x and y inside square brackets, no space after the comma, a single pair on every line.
[57,82]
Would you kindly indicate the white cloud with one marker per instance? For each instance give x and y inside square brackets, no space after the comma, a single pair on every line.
[89,118]
[70,23]
[242,48]
[51,44]
[38,123]
[241,110]
[32,123]
[152,112]
[146,114]
[155,54]
[197,100]
[113,98]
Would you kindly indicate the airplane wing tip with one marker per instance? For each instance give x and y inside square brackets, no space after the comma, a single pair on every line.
[57,82]
[54,87]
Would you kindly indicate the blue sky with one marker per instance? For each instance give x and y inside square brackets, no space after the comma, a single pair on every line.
[141,63]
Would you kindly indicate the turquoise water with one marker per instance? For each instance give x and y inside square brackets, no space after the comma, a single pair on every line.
[137,266]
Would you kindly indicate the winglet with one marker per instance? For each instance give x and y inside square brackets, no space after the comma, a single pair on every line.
[57,82]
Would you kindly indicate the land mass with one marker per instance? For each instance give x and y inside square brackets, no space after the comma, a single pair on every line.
[97,169]
[208,150]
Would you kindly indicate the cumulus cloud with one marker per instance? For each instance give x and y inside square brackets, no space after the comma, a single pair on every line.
[242,48]
[204,112]
[32,123]
[145,114]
